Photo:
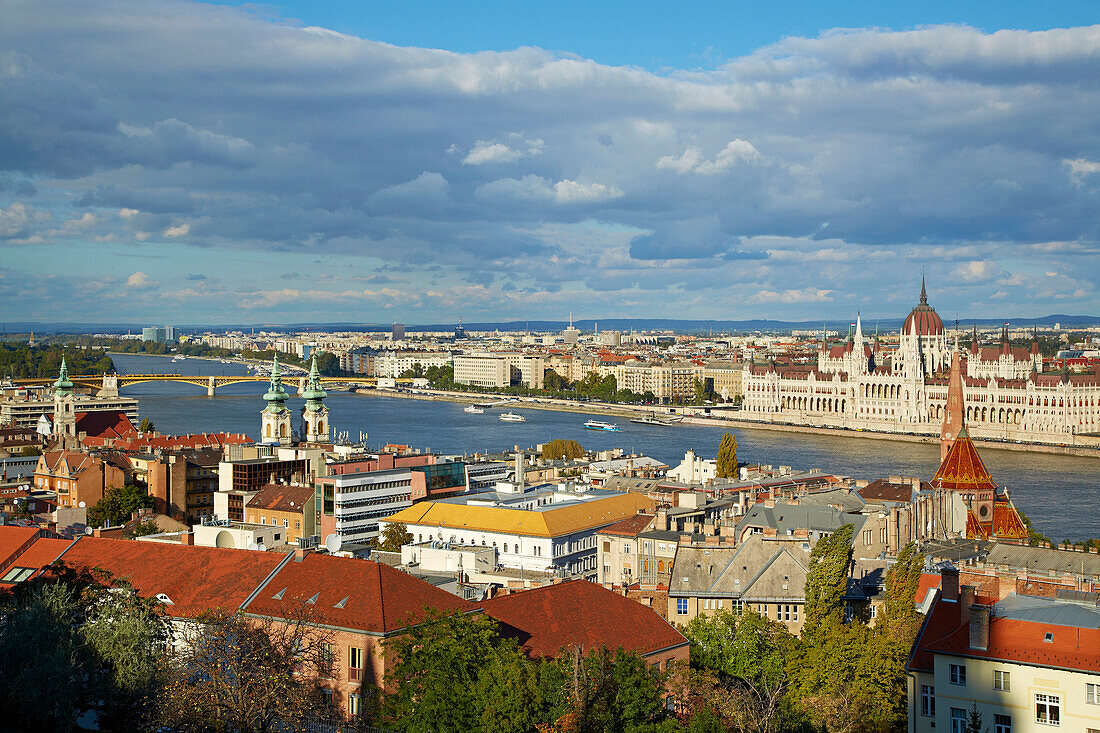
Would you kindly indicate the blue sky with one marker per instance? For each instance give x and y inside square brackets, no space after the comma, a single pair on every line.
[203,163]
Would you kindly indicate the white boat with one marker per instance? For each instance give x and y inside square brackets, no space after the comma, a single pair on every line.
[599,425]
[474,410]
[512,417]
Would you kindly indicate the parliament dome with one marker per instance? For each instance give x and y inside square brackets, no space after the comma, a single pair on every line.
[923,320]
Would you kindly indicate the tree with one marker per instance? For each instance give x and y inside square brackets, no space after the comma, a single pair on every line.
[827,581]
[394,537]
[30,450]
[727,456]
[559,448]
[144,527]
[554,382]
[77,642]
[974,721]
[508,693]
[899,618]
[118,505]
[237,673]
[435,669]
[698,390]
[146,426]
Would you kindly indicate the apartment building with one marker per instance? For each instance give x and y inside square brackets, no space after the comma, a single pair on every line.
[764,574]
[548,527]
[286,506]
[79,479]
[1028,663]
[500,369]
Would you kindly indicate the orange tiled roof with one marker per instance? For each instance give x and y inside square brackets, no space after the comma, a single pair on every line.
[578,613]
[974,529]
[1006,521]
[963,469]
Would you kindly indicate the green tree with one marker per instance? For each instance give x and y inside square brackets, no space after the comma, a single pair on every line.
[899,618]
[554,382]
[727,456]
[698,391]
[826,582]
[144,527]
[508,692]
[118,505]
[146,425]
[435,670]
[77,642]
[394,537]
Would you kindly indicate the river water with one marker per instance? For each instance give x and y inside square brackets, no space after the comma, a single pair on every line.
[1059,493]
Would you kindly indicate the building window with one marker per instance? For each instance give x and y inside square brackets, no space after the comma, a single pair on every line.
[928,701]
[355,657]
[1092,693]
[958,674]
[1002,724]
[1001,680]
[681,607]
[353,705]
[738,607]
[1048,709]
[958,720]
[874,610]
[286,523]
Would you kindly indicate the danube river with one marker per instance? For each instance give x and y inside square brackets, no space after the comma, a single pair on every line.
[1059,493]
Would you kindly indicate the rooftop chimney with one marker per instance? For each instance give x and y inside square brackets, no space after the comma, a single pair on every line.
[949,583]
[979,627]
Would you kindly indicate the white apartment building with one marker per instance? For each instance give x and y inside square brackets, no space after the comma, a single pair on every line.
[542,528]
[1028,663]
[395,363]
[500,369]
[353,505]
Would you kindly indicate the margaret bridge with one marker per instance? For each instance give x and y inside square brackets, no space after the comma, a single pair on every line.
[110,383]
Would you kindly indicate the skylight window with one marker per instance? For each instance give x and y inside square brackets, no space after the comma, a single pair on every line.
[1049,637]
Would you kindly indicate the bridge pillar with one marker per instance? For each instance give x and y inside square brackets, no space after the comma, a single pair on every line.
[210,387]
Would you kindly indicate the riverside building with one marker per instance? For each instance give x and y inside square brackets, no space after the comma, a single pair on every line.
[857,386]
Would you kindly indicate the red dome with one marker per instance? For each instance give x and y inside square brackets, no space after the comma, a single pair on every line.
[922,320]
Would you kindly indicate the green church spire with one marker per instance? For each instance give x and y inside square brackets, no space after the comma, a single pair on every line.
[63,386]
[276,396]
[313,393]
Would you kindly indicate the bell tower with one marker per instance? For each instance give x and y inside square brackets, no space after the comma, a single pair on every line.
[954,413]
[314,412]
[275,417]
[64,408]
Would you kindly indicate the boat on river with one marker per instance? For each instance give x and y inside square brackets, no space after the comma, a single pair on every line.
[512,417]
[652,419]
[600,425]
[474,410]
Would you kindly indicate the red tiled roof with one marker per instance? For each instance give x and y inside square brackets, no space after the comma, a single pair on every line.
[883,490]
[962,469]
[373,597]
[282,498]
[1006,521]
[928,581]
[196,579]
[1019,641]
[104,424]
[13,541]
[43,552]
[578,613]
[629,527]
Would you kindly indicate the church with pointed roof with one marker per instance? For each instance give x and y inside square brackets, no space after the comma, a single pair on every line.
[859,386]
[275,418]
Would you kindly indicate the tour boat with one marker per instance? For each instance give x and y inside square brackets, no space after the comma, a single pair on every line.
[598,425]
[474,410]
[652,419]
[512,417]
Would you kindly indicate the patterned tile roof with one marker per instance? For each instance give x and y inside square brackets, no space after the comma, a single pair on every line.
[963,469]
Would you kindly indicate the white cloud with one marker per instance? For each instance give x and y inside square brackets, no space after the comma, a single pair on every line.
[805,295]
[1079,168]
[180,230]
[140,281]
[17,220]
[127,213]
[488,151]
[736,151]
[572,192]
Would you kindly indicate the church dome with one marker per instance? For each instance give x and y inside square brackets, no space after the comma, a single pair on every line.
[923,320]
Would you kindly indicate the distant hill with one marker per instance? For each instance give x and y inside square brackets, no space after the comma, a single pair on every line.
[588,325]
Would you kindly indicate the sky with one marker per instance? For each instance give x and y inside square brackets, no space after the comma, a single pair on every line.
[196,163]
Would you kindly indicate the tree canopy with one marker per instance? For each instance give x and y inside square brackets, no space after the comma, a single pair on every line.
[727,456]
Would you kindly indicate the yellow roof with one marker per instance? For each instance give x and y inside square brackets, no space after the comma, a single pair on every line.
[553,522]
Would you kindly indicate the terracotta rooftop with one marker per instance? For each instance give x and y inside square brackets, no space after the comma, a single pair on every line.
[630,527]
[352,594]
[282,498]
[578,613]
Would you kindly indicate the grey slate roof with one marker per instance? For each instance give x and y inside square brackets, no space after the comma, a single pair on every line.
[1054,611]
[756,570]
[786,518]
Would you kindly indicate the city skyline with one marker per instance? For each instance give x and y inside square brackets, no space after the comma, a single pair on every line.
[197,163]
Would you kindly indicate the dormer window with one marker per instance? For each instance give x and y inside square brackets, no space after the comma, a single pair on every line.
[1048,637]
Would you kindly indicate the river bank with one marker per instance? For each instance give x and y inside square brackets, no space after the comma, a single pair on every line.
[605,409]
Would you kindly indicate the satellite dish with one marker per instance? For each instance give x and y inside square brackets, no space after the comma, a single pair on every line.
[261,546]
[82,505]
[333,542]
[88,530]
[253,546]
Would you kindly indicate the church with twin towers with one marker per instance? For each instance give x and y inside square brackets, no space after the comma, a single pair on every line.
[275,418]
[861,386]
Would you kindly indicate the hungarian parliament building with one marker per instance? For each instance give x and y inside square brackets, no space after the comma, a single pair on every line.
[856,385]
